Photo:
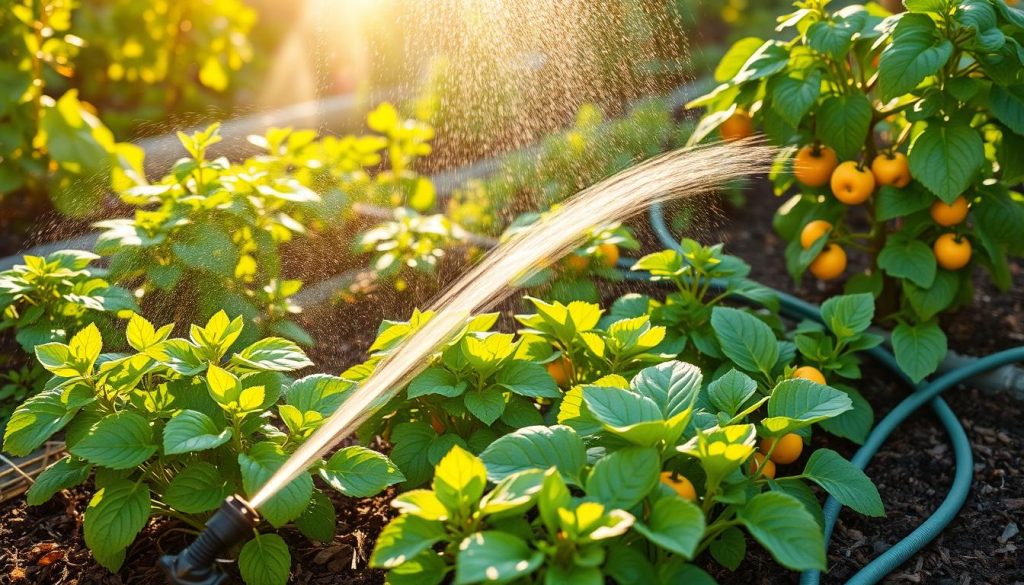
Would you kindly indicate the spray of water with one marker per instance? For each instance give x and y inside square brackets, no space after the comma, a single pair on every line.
[682,173]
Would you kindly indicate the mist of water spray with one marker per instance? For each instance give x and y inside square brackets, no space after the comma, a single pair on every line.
[683,173]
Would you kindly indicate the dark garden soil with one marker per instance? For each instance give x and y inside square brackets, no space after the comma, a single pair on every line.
[913,470]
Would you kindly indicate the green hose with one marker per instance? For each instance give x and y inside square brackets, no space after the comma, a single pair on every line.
[795,308]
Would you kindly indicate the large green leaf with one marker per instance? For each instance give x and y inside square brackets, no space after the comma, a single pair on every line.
[359,472]
[916,52]
[930,301]
[257,466]
[843,123]
[494,556]
[65,473]
[527,379]
[199,488]
[784,527]
[272,354]
[854,424]
[844,481]
[847,315]
[1008,106]
[623,478]
[908,258]
[919,349]
[675,525]
[118,441]
[404,538]
[736,57]
[116,514]
[731,391]
[265,560]
[36,420]
[835,36]
[945,157]
[191,431]
[459,480]
[672,385]
[320,521]
[206,247]
[536,447]
[745,339]
[797,403]
[793,97]
[893,202]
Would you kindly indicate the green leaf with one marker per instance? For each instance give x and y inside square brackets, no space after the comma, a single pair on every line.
[919,349]
[893,202]
[116,514]
[736,57]
[273,354]
[536,447]
[1008,105]
[318,393]
[731,391]
[494,556]
[745,339]
[730,548]
[486,404]
[359,472]
[192,431]
[527,379]
[459,481]
[404,538]
[513,495]
[835,37]
[206,247]
[265,560]
[844,481]
[843,123]
[628,565]
[118,441]
[848,315]
[436,381]
[199,488]
[929,302]
[916,52]
[796,403]
[792,97]
[623,478]
[142,335]
[65,473]
[675,525]
[673,386]
[784,527]
[257,466]
[630,415]
[427,568]
[908,258]
[854,424]
[945,157]
[56,358]
[412,442]
[36,420]
[319,522]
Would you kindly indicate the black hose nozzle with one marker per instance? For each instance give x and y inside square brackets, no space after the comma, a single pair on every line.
[197,564]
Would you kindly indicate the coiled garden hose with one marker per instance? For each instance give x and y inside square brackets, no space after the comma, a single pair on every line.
[795,308]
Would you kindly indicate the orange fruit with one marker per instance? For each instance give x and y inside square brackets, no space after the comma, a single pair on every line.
[952,252]
[561,371]
[813,231]
[891,168]
[852,184]
[810,373]
[759,461]
[830,264]
[787,450]
[680,484]
[577,263]
[609,254]
[737,126]
[949,215]
[814,168]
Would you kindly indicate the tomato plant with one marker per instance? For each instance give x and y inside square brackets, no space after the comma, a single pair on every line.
[410,244]
[908,124]
[178,425]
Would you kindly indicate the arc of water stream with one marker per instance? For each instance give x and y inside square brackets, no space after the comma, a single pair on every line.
[682,173]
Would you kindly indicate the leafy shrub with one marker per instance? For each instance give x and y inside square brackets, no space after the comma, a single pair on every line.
[410,244]
[925,109]
[176,426]
[45,299]
[602,500]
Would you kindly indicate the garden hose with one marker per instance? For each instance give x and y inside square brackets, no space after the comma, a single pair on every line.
[795,308]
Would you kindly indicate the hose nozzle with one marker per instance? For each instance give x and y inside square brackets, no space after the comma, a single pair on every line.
[197,564]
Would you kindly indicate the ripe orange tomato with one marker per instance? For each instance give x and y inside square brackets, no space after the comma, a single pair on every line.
[561,371]
[737,126]
[810,373]
[577,263]
[891,169]
[609,254]
[830,264]
[812,231]
[680,484]
[814,167]
[949,215]
[852,184]
[758,461]
[786,451]
[952,252]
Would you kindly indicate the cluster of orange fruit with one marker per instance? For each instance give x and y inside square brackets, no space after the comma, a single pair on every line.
[580,263]
[852,184]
